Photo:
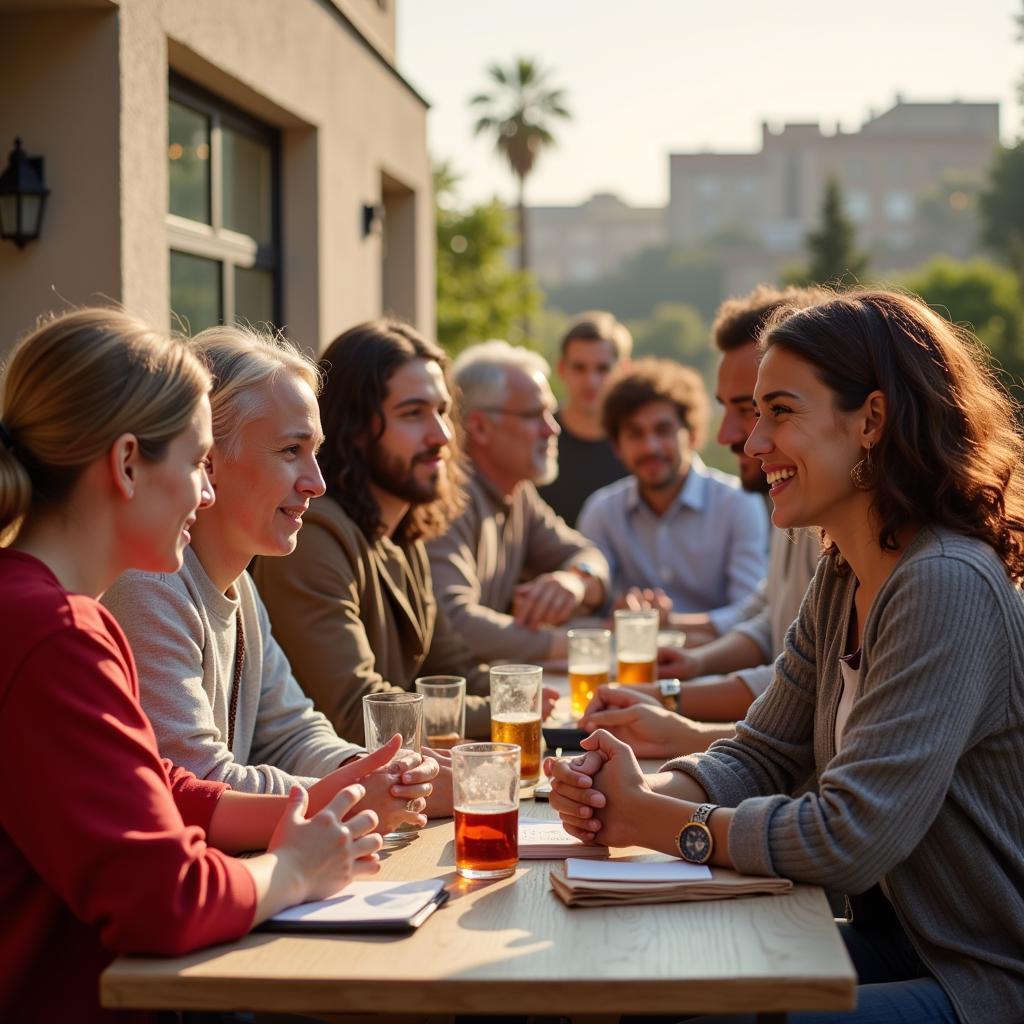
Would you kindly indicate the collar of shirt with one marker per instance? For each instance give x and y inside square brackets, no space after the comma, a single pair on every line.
[494,497]
[692,495]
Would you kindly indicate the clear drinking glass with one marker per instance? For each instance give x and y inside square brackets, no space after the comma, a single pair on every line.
[516,712]
[590,654]
[384,714]
[444,710]
[636,646]
[485,787]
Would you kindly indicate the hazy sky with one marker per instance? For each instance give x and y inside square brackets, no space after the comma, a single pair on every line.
[648,77]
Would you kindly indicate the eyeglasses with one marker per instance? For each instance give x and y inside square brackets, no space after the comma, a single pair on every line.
[536,415]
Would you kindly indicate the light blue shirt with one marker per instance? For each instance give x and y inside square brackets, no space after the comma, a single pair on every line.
[708,552]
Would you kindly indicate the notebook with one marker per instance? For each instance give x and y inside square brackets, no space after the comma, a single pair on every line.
[371,906]
[628,881]
[547,840]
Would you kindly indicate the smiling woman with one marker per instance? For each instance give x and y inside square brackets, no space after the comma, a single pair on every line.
[900,690]
[216,685]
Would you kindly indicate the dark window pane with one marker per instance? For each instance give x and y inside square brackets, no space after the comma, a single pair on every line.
[248,185]
[188,157]
[195,292]
[254,295]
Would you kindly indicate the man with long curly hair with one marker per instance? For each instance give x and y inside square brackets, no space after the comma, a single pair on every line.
[353,607]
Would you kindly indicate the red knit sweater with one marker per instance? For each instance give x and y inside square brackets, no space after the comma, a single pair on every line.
[102,844]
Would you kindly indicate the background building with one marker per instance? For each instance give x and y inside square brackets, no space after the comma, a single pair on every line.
[760,206]
[245,158]
[579,244]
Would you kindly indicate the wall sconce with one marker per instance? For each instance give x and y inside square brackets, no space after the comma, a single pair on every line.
[373,219]
[23,195]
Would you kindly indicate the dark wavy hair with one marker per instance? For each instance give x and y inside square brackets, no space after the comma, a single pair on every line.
[951,449]
[357,366]
[643,381]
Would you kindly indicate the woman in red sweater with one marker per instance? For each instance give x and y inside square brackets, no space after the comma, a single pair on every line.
[104,848]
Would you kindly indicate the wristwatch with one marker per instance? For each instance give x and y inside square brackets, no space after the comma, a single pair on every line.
[695,841]
[671,691]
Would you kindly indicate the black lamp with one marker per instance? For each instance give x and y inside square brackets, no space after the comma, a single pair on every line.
[373,219]
[23,195]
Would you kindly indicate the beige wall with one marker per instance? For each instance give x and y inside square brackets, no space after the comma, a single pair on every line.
[47,57]
[349,125]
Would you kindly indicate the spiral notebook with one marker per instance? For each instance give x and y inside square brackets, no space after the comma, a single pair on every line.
[371,906]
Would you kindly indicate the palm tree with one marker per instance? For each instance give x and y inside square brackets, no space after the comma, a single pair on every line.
[517,113]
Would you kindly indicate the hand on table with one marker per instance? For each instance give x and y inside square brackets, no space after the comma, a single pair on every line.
[321,854]
[638,599]
[548,600]
[549,698]
[439,803]
[602,795]
[639,721]
[678,663]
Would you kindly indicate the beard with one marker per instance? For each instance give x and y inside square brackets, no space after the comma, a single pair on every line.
[391,474]
[752,479]
[546,466]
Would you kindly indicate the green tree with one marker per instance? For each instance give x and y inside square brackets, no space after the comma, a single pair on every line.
[1002,208]
[518,113]
[676,331]
[834,257]
[478,296]
[980,295]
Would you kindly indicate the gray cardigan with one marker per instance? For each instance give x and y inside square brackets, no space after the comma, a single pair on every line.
[927,794]
[182,632]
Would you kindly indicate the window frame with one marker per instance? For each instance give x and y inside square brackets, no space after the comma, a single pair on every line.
[215,241]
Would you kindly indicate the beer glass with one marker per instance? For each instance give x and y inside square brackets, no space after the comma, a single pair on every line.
[590,652]
[444,710]
[485,790]
[384,714]
[636,646]
[515,713]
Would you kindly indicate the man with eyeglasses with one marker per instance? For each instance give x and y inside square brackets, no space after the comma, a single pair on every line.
[509,571]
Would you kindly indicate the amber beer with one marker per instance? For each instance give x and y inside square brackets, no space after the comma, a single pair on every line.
[633,672]
[583,683]
[487,841]
[445,742]
[523,728]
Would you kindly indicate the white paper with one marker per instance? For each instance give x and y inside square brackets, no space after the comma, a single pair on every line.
[361,902]
[534,832]
[636,870]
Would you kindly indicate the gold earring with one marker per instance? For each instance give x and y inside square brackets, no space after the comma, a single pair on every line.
[863,473]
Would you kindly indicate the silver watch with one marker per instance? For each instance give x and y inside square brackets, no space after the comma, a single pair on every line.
[670,690]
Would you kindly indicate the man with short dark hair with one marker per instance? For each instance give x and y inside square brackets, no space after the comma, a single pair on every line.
[674,523]
[593,346]
[353,606]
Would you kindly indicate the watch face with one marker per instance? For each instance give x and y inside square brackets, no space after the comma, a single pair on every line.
[695,843]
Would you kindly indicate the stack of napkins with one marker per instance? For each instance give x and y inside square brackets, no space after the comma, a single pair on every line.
[621,882]
[547,840]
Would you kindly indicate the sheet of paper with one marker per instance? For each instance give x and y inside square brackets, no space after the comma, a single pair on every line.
[636,870]
[371,901]
[535,832]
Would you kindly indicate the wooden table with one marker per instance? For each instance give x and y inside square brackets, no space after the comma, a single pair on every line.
[511,947]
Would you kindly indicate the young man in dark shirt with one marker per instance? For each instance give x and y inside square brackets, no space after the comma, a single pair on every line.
[593,346]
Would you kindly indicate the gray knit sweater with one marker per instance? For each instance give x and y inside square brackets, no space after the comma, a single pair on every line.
[182,632]
[927,794]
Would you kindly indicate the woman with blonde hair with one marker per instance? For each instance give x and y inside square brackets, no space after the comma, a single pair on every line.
[901,684]
[214,681]
[104,847]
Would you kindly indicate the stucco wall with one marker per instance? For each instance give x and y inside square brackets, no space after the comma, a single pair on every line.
[95,103]
[59,92]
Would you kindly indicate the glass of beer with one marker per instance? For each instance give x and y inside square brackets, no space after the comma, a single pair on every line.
[444,710]
[485,788]
[515,713]
[590,653]
[384,714]
[636,646]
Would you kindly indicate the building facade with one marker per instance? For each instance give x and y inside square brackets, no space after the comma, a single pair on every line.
[248,159]
[580,244]
[760,206]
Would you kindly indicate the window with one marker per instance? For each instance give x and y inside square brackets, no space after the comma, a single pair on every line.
[222,212]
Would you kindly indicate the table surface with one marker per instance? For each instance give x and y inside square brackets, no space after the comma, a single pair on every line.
[511,946]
